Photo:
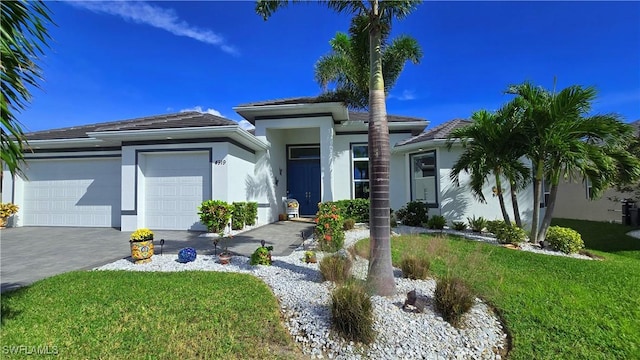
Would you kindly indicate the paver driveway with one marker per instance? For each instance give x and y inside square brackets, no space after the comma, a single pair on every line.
[29,254]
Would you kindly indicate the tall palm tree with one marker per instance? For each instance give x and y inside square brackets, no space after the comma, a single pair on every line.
[380,15]
[563,141]
[488,144]
[24,37]
[347,66]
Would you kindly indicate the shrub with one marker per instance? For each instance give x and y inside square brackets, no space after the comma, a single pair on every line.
[335,268]
[262,256]
[215,215]
[459,225]
[453,298]
[329,230]
[494,225]
[414,267]
[393,222]
[414,213]
[352,313]
[510,234]
[564,239]
[477,224]
[349,224]
[357,209]
[436,222]
[251,213]
[239,215]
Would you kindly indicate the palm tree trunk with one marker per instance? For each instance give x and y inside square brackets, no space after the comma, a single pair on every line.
[380,277]
[537,189]
[548,215]
[503,208]
[514,203]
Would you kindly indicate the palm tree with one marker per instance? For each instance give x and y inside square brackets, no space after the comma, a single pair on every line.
[24,37]
[347,66]
[564,141]
[489,143]
[380,15]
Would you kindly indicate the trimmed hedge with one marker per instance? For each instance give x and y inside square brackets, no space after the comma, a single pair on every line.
[564,239]
[356,209]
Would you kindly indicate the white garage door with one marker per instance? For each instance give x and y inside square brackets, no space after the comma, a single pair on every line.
[175,184]
[72,192]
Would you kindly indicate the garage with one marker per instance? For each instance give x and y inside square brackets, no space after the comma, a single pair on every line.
[174,185]
[72,192]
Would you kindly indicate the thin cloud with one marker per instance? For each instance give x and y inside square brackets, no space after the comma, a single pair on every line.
[208,111]
[246,125]
[162,18]
[405,96]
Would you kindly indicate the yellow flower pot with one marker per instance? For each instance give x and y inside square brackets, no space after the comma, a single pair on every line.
[142,251]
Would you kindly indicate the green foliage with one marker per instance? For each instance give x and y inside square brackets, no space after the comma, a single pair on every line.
[564,239]
[352,312]
[262,256]
[329,230]
[357,209]
[215,215]
[459,225]
[414,213]
[349,224]
[511,235]
[393,222]
[239,215]
[494,225]
[453,298]
[251,213]
[415,267]
[604,236]
[335,268]
[309,257]
[477,224]
[436,222]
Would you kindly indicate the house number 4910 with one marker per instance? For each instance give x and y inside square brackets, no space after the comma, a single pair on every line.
[219,162]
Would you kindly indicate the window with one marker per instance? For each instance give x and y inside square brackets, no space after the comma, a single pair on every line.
[304,152]
[360,175]
[423,178]
[545,193]
[589,188]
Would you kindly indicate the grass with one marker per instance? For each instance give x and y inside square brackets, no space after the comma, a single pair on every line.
[135,315]
[603,236]
[554,307]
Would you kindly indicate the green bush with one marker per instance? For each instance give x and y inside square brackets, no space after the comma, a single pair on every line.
[262,256]
[239,215]
[436,222]
[453,298]
[251,213]
[352,312]
[414,267]
[564,239]
[215,215]
[335,268]
[357,209]
[477,224]
[506,234]
[494,225]
[349,224]
[329,230]
[459,225]
[393,222]
[414,213]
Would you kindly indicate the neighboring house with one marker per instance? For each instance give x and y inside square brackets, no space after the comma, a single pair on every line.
[573,200]
[155,171]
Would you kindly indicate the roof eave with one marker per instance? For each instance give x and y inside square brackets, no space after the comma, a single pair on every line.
[337,109]
[417,146]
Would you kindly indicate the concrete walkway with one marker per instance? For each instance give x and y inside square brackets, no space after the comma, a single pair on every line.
[29,254]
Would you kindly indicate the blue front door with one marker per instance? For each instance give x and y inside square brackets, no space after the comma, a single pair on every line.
[303,184]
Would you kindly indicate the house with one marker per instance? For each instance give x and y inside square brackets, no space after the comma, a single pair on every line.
[155,171]
[573,200]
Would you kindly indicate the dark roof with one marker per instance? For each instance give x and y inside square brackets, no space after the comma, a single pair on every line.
[364,116]
[167,121]
[287,101]
[441,131]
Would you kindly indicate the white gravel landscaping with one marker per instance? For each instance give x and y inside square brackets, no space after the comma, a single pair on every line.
[304,301]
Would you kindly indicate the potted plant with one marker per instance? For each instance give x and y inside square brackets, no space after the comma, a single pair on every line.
[141,242]
[310,257]
[225,257]
[6,211]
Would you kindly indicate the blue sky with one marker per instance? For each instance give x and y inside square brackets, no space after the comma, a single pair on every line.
[120,60]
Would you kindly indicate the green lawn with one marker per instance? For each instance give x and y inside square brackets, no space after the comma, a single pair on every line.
[554,307]
[136,315]
[603,236]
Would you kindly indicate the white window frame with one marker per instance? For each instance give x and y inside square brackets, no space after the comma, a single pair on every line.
[412,178]
[353,167]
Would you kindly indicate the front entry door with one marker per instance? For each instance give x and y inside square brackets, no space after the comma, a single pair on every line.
[303,183]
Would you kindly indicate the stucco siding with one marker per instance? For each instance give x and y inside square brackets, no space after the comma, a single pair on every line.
[572,203]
